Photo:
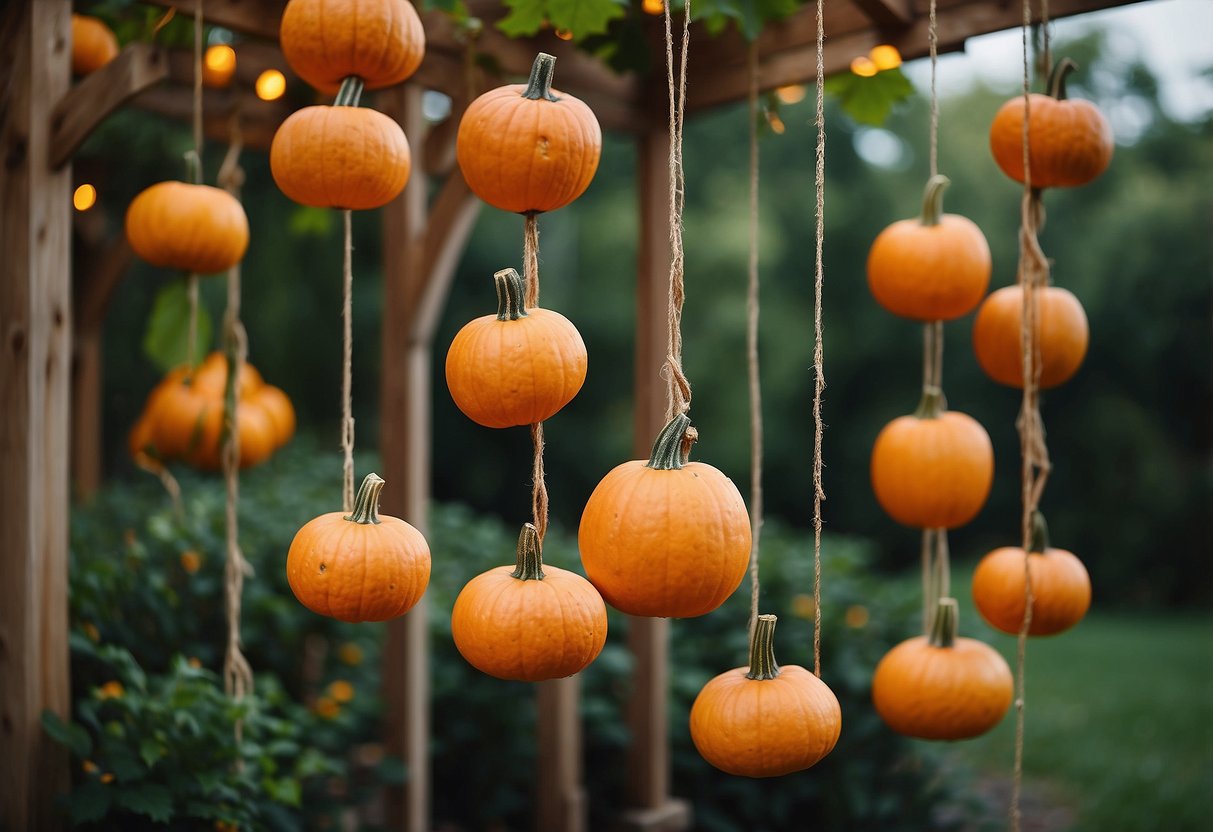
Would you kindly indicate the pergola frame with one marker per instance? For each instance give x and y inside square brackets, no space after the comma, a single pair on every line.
[51,325]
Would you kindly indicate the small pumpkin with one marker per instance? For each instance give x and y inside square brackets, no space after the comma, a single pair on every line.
[278,408]
[934,267]
[326,41]
[210,379]
[765,720]
[932,469]
[1062,335]
[1061,587]
[942,687]
[1069,140]
[178,414]
[528,148]
[359,567]
[195,228]
[343,156]
[667,537]
[518,367]
[93,44]
[529,622]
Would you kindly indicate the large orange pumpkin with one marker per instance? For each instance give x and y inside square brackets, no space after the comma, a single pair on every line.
[529,622]
[765,720]
[359,567]
[93,44]
[666,537]
[1069,140]
[933,267]
[517,367]
[528,148]
[195,228]
[1062,335]
[934,468]
[326,41]
[941,687]
[1061,587]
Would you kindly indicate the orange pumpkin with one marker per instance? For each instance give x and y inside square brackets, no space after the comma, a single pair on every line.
[342,156]
[1062,335]
[179,414]
[529,622]
[93,44]
[941,687]
[934,468]
[1069,140]
[326,41]
[279,410]
[210,379]
[1061,588]
[934,267]
[528,148]
[195,228]
[667,537]
[361,566]
[517,367]
[765,720]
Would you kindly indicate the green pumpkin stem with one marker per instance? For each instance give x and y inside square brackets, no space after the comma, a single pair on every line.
[193,167]
[762,650]
[529,566]
[671,450]
[539,85]
[511,295]
[350,92]
[366,504]
[1057,78]
[945,623]
[932,404]
[932,200]
[1039,542]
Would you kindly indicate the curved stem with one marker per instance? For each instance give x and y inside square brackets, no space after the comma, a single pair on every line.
[529,563]
[539,85]
[931,405]
[762,650]
[1040,534]
[932,199]
[668,454]
[1057,80]
[511,295]
[366,504]
[350,92]
[943,628]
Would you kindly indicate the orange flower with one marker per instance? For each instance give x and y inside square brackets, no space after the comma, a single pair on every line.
[341,691]
[326,707]
[191,561]
[111,690]
[350,653]
[107,778]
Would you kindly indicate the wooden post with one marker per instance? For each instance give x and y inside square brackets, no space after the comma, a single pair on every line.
[35,363]
[560,800]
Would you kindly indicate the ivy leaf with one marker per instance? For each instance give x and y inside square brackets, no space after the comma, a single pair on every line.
[67,733]
[526,17]
[870,100]
[166,339]
[583,17]
[150,799]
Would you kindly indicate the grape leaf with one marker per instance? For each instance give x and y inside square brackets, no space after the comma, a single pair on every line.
[166,338]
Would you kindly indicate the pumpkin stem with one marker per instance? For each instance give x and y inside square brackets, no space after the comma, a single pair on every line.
[366,504]
[932,404]
[762,649]
[1039,542]
[672,448]
[511,295]
[539,85]
[350,92]
[945,623]
[529,566]
[1057,79]
[932,199]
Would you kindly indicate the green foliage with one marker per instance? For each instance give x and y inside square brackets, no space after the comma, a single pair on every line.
[582,18]
[166,339]
[870,100]
[750,16]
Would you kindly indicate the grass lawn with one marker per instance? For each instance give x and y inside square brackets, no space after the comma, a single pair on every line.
[1119,732]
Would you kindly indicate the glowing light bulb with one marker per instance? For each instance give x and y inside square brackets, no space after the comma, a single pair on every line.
[85,197]
[218,65]
[885,57]
[271,85]
[863,67]
[791,94]
[564,34]
[654,7]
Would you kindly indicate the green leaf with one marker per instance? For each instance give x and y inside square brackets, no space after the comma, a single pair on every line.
[306,221]
[583,17]
[286,790]
[151,750]
[67,733]
[150,799]
[166,339]
[88,803]
[870,100]
[526,17]
[123,762]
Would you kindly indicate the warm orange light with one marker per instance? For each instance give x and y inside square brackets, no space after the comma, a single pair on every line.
[857,617]
[863,67]
[218,65]
[775,123]
[654,6]
[271,84]
[885,57]
[791,94]
[84,198]
[564,34]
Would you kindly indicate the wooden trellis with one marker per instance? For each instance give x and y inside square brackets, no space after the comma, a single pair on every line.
[51,329]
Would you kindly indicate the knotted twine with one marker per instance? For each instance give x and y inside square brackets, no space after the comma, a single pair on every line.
[194,168]
[679,388]
[530,273]
[752,309]
[818,351]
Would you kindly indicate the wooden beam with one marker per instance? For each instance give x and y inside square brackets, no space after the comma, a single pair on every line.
[560,798]
[137,67]
[259,119]
[35,362]
[893,14]
[447,230]
[254,17]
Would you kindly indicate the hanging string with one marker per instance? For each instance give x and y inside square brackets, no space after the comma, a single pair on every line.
[347,365]
[933,41]
[679,392]
[928,579]
[530,258]
[818,351]
[752,346]
[530,272]
[194,166]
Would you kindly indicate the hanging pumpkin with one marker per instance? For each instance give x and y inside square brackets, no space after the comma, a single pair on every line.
[1069,140]
[667,537]
[279,410]
[1061,588]
[194,228]
[361,566]
[528,148]
[529,622]
[210,379]
[326,41]
[765,720]
[935,267]
[934,468]
[942,687]
[343,156]
[93,44]
[518,367]
[1061,335]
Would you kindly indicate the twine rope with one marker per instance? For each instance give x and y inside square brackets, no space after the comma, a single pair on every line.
[818,351]
[752,311]
[195,167]
[530,271]
[679,388]
[347,365]
[530,258]
[933,42]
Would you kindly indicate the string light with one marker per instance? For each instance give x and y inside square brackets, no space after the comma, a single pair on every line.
[863,67]
[271,85]
[85,197]
[564,34]
[885,57]
[791,94]
[653,7]
[218,65]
